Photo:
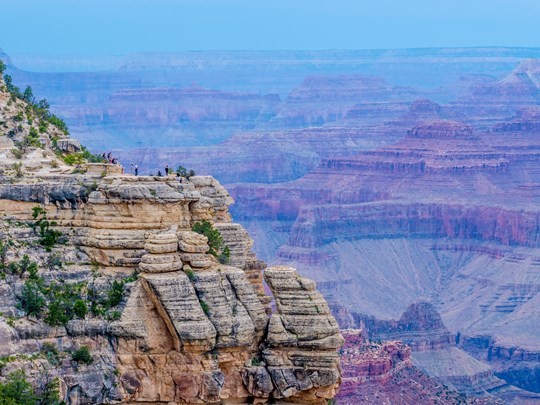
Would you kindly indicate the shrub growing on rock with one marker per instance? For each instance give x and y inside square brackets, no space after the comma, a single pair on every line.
[82,355]
[115,294]
[51,353]
[204,306]
[17,391]
[25,265]
[74,159]
[215,240]
[49,393]
[183,172]
[4,247]
[61,302]
[32,301]
[79,308]
[48,237]
[225,255]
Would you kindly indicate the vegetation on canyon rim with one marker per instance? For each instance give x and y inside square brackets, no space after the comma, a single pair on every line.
[37,114]
[215,241]
[58,302]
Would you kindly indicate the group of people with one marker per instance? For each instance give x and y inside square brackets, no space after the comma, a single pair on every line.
[108,158]
[167,171]
[134,169]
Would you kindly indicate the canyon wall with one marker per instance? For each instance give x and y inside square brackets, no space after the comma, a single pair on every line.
[107,263]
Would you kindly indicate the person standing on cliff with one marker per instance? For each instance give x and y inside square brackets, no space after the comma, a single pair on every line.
[131,169]
[166,170]
[136,170]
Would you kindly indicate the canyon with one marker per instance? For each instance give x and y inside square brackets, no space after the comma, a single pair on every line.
[390,178]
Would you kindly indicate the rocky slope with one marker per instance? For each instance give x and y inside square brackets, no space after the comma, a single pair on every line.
[97,260]
[435,353]
[384,373]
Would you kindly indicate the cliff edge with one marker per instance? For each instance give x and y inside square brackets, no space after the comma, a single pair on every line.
[108,292]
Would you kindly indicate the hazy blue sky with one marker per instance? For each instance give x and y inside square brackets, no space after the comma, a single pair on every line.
[123,26]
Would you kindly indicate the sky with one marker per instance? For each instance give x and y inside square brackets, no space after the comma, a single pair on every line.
[119,27]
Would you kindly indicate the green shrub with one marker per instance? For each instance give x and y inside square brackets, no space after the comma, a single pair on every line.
[32,301]
[82,355]
[56,315]
[51,353]
[61,308]
[204,306]
[17,153]
[4,248]
[11,320]
[133,277]
[50,393]
[59,123]
[37,211]
[53,261]
[25,265]
[28,95]
[91,157]
[18,117]
[190,274]
[215,241]
[115,293]
[113,315]
[90,188]
[225,255]
[183,172]
[17,167]
[74,159]
[79,308]
[49,237]
[17,391]
[113,297]
[42,127]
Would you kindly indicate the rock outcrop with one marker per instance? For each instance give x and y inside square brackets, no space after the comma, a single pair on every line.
[191,330]
[383,372]
[164,320]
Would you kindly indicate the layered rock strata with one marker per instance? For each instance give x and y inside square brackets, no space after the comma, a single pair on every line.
[375,372]
[163,320]
[191,330]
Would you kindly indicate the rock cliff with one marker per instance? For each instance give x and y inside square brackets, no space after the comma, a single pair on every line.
[383,372]
[95,259]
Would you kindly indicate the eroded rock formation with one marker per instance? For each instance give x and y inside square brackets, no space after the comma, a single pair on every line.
[185,327]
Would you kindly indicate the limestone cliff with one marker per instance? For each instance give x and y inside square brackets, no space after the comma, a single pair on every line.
[167,322]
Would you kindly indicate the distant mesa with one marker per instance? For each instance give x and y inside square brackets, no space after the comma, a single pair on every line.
[339,87]
[424,106]
[442,130]
[526,76]
[525,119]
[527,71]
[420,316]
